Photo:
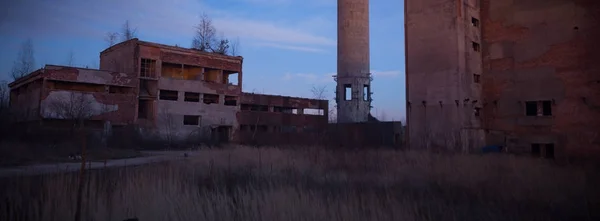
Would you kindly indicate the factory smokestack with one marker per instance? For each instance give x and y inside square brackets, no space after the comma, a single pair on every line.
[353,92]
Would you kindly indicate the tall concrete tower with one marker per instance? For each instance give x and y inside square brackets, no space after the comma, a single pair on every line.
[353,91]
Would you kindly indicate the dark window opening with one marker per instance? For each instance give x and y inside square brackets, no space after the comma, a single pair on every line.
[547,108]
[211,75]
[148,68]
[143,109]
[263,128]
[549,151]
[191,97]
[230,101]
[531,108]
[244,127]
[168,95]
[211,98]
[148,88]
[476,47]
[366,92]
[276,129]
[347,92]
[476,78]
[119,90]
[536,150]
[230,77]
[475,22]
[69,86]
[191,120]
[477,111]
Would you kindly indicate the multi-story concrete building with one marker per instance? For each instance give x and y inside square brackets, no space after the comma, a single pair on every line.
[519,74]
[165,90]
[181,91]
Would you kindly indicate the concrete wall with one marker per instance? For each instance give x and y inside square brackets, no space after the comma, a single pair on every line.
[280,119]
[353,61]
[542,50]
[442,96]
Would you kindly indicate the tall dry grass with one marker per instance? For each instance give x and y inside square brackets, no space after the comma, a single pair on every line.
[277,184]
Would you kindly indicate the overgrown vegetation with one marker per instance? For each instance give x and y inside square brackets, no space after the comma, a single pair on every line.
[310,184]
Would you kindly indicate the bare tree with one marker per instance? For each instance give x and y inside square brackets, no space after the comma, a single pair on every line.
[319,92]
[168,124]
[127,32]
[70,58]
[206,34]
[234,47]
[4,95]
[25,62]
[72,106]
[222,46]
[111,38]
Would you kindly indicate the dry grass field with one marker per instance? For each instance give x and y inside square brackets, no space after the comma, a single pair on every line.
[241,183]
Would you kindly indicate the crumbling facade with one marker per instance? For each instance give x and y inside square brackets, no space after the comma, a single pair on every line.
[353,90]
[273,120]
[166,91]
[55,96]
[519,74]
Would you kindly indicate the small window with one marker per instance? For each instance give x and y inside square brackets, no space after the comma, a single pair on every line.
[476,78]
[477,111]
[191,120]
[168,95]
[476,47]
[347,92]
[230,101]
[475,22]
[366,92]
[211,98]
[549,151]
[191,97]
[531,108]
[547,108]
[536,150]
[148,68]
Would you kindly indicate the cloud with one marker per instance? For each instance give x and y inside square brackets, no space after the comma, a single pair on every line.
[158,19]
[291,47]
[327,78]
[386,74]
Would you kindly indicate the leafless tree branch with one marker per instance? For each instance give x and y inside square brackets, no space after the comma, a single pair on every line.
[127,32]
[111,38]
[25,62]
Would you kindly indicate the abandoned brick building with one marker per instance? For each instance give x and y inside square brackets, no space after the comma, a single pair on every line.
[165,90]
[519,74]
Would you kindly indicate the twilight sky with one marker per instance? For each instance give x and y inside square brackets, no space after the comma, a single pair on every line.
[288,45]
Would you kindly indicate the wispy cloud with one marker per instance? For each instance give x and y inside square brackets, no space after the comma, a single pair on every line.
[327,78]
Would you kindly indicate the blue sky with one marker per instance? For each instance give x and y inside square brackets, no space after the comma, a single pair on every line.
[288,45]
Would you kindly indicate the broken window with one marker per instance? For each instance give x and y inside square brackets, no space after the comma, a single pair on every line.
[189,72]
[143,109]
[536,150]
[546,108]
[230,78]
[347,92]
[538,108]
[211,98]
[477,111]
[366,92]
[148,68]
[230,101]
[168,95]
[475,22]
[170,70]
[71,86]
[476,47]
[148,88]
[191,120]
[314,111]
[287,110]
[191,97]
[476,78]
[531,108]
[244,127]
[549,151]
[263,128]
[119,90]
[211,75]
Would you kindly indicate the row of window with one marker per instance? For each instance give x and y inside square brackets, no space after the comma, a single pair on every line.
[532,108]
[349,95]
[196,97]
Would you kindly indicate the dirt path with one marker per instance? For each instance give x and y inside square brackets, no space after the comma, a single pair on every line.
[154,157]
